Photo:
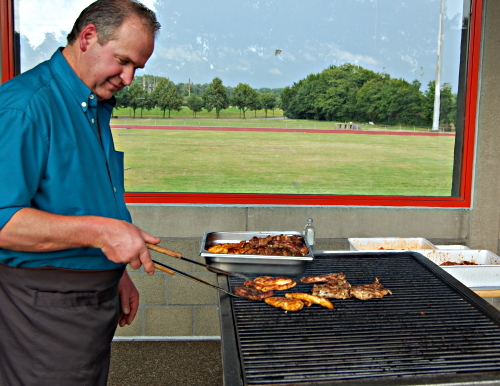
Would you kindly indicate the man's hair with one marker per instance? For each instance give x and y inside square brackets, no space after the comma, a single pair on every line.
[108,15]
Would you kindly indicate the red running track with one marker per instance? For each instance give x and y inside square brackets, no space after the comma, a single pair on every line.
[280,130]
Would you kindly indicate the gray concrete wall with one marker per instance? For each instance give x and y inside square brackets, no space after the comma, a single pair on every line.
[176,307]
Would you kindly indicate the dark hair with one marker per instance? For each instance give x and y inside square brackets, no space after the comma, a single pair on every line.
[108,15]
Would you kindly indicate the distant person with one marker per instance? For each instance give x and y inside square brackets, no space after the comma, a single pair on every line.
[65,231]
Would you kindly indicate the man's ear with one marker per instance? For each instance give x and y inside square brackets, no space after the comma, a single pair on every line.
[87,35]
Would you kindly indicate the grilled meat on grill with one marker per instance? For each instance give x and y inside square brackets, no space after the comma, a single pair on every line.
[308,299]
[281,245]
[252,293]
[284,303]
[269,283]
[323,278]
[337,289]
[370,291]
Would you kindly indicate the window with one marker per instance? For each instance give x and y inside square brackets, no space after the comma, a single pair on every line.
[355,84]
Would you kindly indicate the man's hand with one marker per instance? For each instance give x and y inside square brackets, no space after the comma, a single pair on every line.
[123,242]
[129,300]
[33,230]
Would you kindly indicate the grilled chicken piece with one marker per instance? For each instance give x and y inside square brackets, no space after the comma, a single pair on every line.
[269,283]
[308,299]
[226,248]
[251,293]
[323,278]
[370,291]
[337,289]
[284,303]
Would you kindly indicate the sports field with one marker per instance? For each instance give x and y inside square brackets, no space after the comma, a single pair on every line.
[212,160]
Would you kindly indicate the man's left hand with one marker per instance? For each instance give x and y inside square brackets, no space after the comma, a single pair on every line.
[129,300]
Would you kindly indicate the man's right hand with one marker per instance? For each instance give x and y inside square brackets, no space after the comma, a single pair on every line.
[33,230]
[126,243]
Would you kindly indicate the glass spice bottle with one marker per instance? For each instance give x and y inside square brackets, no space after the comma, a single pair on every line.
[309,233]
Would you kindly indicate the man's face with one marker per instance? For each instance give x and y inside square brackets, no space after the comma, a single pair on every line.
[109,68]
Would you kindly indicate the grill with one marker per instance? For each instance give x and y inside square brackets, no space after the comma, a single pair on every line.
[432,330]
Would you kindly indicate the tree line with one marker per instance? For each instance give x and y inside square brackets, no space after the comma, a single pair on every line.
[353,93]
[148,92]
[339,93]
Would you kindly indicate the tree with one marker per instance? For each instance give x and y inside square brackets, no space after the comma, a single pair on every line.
[448,106]
[255,103]
[195,103]
[285,100]
[122,98]
[166,96]
[136,94]
[243,96]
[215,97]
[148,102]
[391,101]
[268,102]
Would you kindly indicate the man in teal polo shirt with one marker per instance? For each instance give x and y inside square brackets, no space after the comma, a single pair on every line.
[65,232]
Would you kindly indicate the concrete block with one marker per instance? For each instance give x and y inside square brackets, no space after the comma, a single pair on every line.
[344,222]
[185,291]
[207,321]
[183,246]
[172,261]
[187,221]
[340,245]
[168,321]
[152,288]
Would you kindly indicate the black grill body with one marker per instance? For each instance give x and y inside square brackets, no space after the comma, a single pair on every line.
[432,330]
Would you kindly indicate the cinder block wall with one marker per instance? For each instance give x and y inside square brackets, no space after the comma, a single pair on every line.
[172,305]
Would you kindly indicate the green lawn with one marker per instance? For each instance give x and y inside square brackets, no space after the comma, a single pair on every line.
[186,113]
[285,163]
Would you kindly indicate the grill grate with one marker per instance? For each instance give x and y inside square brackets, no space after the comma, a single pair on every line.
[430,326]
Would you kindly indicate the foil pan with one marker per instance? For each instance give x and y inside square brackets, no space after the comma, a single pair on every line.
[253,264]
[486,272]
[389,244]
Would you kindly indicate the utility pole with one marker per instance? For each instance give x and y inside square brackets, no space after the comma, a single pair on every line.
[437,89]
[188,87]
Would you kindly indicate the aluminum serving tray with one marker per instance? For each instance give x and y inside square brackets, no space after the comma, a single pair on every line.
[254,264]
[389,243]
[485,274]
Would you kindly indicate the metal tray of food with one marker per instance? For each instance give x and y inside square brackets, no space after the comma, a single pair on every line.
[389,243]
[254,264]
[484,271]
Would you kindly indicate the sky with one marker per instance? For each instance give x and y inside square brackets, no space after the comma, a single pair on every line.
[236,40]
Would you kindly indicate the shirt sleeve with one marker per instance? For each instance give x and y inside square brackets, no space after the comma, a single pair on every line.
[23,154]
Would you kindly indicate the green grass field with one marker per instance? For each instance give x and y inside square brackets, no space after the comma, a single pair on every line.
[285,163]
[186,113]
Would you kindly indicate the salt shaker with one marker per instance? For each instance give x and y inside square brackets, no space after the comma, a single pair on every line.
[309,232]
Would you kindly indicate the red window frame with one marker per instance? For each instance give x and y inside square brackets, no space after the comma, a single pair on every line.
[462,200]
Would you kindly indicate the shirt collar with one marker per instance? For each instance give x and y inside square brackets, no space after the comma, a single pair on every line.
[82,94]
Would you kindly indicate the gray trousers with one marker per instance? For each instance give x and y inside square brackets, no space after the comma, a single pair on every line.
[56,325]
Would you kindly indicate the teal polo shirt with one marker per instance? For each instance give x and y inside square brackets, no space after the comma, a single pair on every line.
[52,159]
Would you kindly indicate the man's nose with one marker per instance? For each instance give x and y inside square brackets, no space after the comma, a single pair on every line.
[127,76]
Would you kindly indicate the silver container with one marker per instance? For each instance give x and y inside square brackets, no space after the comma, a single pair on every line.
[486,272]
[389,244]
[253,264]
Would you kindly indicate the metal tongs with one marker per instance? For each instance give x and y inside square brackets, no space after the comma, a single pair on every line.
[172,271]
